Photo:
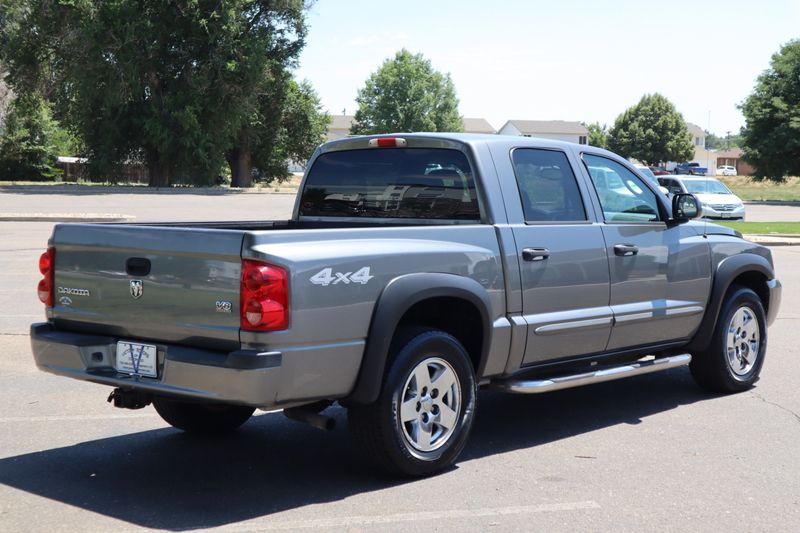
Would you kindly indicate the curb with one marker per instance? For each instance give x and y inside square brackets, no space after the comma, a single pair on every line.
[774,240]
[64,217]
[787,203]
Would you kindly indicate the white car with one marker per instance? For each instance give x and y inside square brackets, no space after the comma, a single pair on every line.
[650,176]
[716,200]
[726,170]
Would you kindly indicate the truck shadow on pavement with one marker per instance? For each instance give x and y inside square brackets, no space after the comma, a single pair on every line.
[165,479]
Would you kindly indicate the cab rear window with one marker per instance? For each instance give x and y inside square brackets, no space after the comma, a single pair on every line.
[427,183]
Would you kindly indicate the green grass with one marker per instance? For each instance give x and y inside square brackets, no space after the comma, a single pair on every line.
[764,228]
[747,189]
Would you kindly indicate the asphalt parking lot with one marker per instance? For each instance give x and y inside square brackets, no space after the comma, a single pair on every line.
[648,453]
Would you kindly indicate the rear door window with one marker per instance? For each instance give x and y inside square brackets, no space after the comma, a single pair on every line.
[547,186]
[425,183]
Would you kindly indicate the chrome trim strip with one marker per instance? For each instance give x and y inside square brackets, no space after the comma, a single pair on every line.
[536,386]
[688,310]
[654,315]
[560,327]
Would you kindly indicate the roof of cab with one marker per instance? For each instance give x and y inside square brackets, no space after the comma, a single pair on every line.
[466,138]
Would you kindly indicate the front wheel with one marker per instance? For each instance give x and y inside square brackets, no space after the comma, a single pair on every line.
[421,420]
[203,418]
[733,360]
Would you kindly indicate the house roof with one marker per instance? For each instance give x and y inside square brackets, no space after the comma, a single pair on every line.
[733,153]
[477,125]
[532,127]
[341,122]
[695,130]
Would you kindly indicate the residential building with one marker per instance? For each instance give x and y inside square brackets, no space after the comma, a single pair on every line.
[733,157]
[561,130]
[698,135]
[702,156]
[340,126]
[477,125]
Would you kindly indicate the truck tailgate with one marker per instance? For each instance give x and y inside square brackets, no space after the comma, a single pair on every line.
[169,284]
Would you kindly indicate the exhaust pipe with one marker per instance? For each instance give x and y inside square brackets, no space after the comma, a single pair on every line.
[310,414]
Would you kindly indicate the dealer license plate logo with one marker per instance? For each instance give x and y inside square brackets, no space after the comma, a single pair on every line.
[136,359]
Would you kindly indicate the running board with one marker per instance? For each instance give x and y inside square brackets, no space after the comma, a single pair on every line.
[536,386]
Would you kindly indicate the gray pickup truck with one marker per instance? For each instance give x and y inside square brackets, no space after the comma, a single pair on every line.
[416,269]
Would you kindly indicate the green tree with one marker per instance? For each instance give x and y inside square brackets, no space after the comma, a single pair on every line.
[287,126]
[651,131]
[598,135]
[719,142]
[169,83]
[31,141]
[771,136]
[407,94]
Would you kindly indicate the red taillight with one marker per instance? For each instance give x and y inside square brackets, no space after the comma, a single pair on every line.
[46,288]
[387,142]
[264,297]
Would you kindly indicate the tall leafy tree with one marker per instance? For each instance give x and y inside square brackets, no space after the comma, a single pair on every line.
[407,94]
[598,135]
[651,131]
[771,136]
[6,96]
[168,82]
[31,141]
[287,125]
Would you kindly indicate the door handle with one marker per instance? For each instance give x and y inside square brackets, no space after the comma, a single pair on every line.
[535,254]
[626,250]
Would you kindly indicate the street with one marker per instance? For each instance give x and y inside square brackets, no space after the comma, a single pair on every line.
[648,453]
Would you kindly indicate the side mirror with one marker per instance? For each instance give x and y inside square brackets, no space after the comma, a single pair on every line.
[684,207]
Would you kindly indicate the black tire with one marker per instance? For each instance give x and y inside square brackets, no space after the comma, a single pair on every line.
[716,371]
[390,443]
[202,418]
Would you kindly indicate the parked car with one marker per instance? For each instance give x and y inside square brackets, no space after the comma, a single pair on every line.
[716,200]
[726,170]
[647,173]
[658,171]
[415,269]
[691,169]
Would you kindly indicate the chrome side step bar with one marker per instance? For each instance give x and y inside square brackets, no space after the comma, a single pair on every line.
[536,386]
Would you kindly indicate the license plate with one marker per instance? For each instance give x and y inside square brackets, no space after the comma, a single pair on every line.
[136,359]
[725,215]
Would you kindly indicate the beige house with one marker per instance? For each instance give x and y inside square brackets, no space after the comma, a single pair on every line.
[477,125]
[560,130]
[339,127]
[702,156]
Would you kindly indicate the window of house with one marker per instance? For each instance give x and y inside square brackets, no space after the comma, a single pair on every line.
[547,186]
[582,139]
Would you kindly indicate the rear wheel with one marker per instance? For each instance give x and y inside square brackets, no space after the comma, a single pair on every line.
[733,360]
[422,418]
[201,417]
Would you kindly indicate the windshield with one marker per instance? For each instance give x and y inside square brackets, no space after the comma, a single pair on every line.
[706,187]
[647,172]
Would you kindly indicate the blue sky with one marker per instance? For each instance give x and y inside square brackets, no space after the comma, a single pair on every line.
[565,59]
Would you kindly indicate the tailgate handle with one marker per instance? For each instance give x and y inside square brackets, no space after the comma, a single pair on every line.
[137,266]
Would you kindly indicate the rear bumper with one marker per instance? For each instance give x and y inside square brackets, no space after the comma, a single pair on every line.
[258,378]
